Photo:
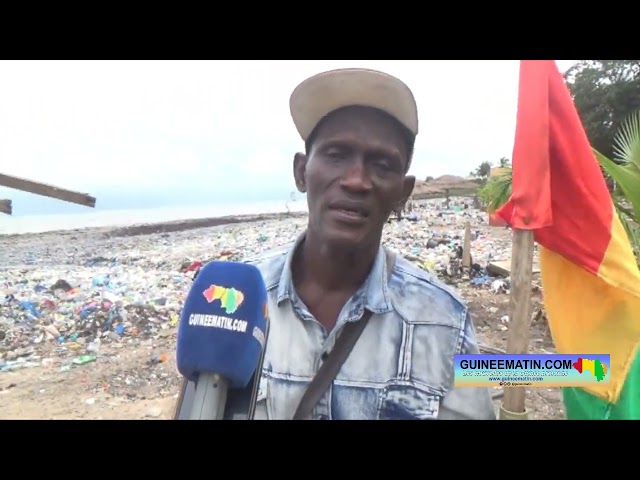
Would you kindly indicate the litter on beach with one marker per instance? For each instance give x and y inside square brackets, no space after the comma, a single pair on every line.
[106,288]
[93,300]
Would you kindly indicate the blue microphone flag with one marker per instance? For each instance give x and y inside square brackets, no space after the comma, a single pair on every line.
[223,322]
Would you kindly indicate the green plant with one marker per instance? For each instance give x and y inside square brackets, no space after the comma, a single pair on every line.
[625,171]
[496,191]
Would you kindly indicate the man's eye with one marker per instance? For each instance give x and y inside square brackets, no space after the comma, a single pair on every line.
[337,154]
[384,164]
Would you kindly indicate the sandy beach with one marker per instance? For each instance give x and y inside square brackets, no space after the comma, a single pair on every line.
[88,317]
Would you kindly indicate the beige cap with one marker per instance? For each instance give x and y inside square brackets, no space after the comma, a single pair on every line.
[325,92]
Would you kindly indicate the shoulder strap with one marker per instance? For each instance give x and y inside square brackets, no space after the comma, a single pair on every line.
[341,350]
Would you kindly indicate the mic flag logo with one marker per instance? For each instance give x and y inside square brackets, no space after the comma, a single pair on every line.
[230,298]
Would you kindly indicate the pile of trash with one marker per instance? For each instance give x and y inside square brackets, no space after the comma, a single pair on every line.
[433,239]
[58,300]
[65,302]
[78,313]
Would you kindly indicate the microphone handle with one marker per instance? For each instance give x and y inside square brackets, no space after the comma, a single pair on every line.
[210,397]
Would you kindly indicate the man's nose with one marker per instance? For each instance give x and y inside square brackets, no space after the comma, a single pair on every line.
[356,176]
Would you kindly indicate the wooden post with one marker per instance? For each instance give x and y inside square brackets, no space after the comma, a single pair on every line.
[47,190]
[5,207]
[513,406]
[466,247]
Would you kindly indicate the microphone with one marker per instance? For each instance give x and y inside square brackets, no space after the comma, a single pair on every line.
[241,403]
[222,335]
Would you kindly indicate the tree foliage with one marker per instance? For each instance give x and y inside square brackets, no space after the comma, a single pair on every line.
[606,93]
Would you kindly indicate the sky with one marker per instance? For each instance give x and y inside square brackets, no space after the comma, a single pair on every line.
[138,134]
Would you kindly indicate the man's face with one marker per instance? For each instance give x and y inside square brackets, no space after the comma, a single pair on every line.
[354,176]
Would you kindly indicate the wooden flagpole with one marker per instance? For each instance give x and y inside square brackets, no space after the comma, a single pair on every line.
[513,404]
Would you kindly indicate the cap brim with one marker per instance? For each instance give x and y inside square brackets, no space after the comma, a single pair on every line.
[321,94]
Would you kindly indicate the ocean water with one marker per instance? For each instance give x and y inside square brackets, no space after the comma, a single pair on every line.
[112,218]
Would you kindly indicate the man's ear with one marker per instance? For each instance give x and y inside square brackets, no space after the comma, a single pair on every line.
[299,171]
[407,189]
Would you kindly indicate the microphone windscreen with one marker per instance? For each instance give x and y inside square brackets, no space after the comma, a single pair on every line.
[223,322]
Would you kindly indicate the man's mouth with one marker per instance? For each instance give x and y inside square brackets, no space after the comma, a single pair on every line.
[353,211]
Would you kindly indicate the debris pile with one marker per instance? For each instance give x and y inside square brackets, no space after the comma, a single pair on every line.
[61,303]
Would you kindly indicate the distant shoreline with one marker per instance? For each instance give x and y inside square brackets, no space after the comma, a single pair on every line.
[192,224]
[161,226]
[168,225]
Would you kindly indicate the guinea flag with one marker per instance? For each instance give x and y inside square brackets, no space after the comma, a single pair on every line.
[590,279]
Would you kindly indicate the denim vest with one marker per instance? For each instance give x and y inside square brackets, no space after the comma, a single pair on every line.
[402,366]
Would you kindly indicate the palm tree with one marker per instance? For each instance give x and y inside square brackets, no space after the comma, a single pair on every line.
[497,191]
[504,162]
[625,172]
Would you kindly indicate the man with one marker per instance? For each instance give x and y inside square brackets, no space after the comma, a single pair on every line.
[359,128]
